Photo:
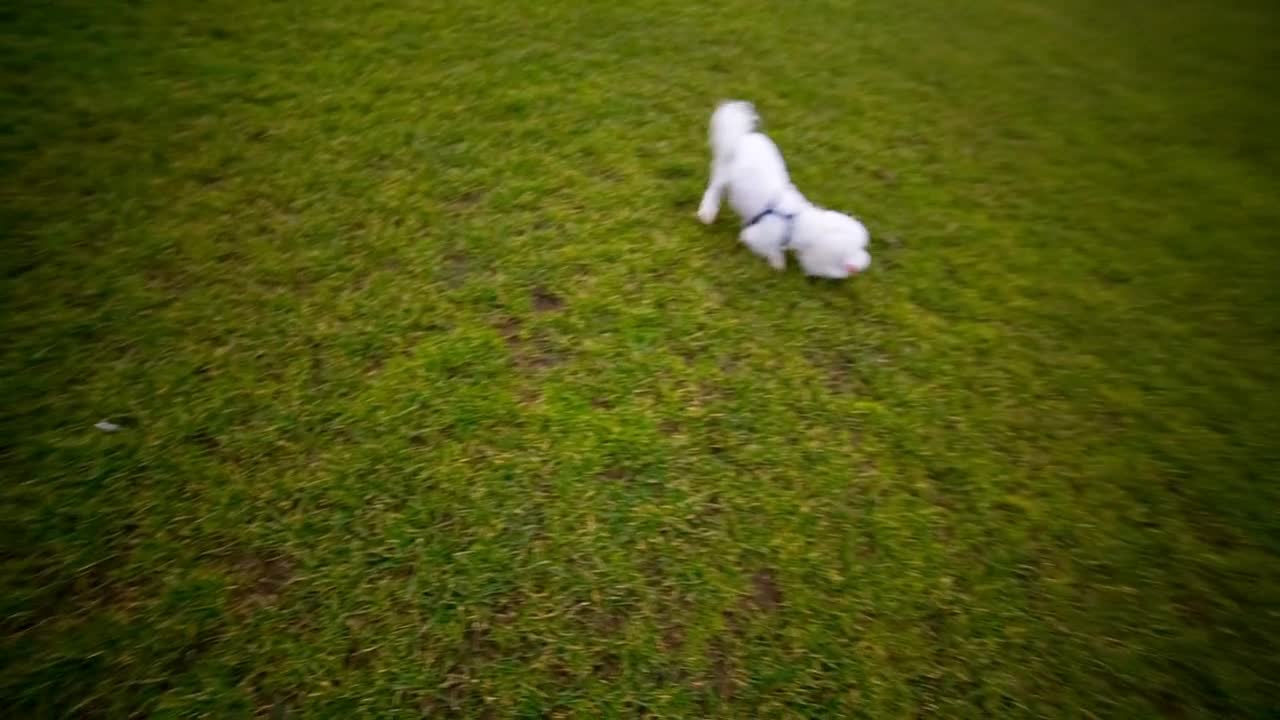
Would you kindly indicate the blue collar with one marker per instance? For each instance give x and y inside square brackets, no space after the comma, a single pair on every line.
[771,210]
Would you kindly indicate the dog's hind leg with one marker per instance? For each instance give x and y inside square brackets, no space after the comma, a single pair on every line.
[765,245]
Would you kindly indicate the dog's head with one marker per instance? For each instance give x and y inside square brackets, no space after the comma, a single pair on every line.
[844,241]
[857,262]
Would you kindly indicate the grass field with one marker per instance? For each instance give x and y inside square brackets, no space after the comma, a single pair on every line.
[437,401]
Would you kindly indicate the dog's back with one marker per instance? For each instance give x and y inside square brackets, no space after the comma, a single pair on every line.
[751,165]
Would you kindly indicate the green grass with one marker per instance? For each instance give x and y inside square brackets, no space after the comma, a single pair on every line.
[438,401]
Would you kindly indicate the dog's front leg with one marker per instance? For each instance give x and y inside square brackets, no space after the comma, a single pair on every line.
[710,206]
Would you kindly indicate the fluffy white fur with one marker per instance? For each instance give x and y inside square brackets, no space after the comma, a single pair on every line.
[748,166]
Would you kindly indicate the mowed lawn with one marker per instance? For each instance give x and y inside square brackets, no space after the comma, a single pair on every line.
[435,400]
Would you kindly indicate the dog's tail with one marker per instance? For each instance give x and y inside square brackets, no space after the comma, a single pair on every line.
[731,121]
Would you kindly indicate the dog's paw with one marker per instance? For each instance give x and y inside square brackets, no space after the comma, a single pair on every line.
[707,215]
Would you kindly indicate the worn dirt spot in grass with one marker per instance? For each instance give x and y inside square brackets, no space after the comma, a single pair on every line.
[359,656]
[709,511]
[206,441]
[1216,535]
[869,547]
[560,671]
[545,358]
[164,279]
[843,375]
[458,691]
[616,474]
[1195,609]
[722,681]
[765,591]
[428,707]
[20,268]
[466,200]
[544,300]
[1169,705]
[231,256]
[946,486]
[262,579]
[187,658]
[734,618]
[476,642]
[88,589]
[509,328]
[935,622]
[456,268]
[528,353]
[374,363]
[281,707]
[672,638]
[508,609]
[610,175]
[529,395]
[539,356]
[1114,276]
[652,567]
[208,177]
[676,172]
[403,572]
[601,621]
[607,666]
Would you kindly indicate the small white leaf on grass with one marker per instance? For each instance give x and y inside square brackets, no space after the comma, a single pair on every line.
[107,426]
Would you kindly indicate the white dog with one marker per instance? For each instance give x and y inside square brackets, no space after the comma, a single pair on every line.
[775,216]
